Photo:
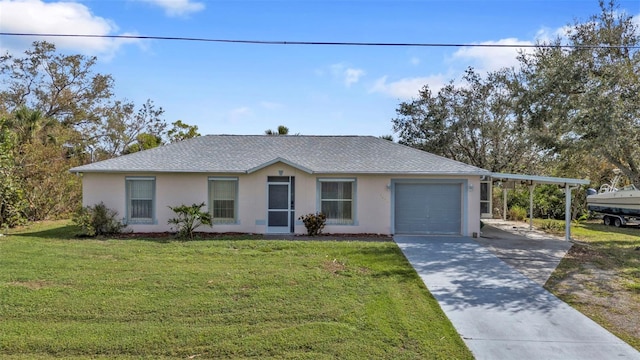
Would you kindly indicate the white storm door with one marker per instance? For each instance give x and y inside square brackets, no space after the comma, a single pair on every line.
[278,208]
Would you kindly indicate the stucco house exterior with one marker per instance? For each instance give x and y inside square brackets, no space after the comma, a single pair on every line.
[263,184]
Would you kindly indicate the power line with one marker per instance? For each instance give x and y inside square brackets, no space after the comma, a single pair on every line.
[330,43]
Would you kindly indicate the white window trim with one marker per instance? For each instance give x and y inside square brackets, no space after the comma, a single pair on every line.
[142,221]
[354,211]
[235,219]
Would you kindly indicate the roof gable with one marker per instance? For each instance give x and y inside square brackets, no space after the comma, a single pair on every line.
[311,154]
[279,160]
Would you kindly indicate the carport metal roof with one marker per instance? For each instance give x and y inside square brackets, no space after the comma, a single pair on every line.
[528,179]
[532,180]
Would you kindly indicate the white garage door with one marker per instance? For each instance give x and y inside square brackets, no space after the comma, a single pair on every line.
[428,208]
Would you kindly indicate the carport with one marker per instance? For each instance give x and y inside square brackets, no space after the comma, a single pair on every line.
[509,181]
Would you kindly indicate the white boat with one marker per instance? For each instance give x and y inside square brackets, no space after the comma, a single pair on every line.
[611,200]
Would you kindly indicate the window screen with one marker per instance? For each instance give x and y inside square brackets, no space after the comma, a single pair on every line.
[140,200]
[222,200]
[336,201]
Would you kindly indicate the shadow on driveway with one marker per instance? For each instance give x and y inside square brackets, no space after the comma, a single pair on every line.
[499,312]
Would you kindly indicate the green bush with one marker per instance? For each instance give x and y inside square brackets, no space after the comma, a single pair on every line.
[517,213]
[314,223]
[189,218]
[552,226]
[98,220]
[12,205]
[548,200]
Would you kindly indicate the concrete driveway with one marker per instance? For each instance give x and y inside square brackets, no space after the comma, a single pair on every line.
[533,253]
[499,312]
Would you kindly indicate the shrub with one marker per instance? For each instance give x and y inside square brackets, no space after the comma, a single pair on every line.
[188,219]
[517,213]
[12,205]
[314,223]
[98,220]
[552,226]
[583,218]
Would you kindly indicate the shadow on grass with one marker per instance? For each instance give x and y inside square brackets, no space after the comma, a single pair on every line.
[633,230]
[390,262]
[60,233]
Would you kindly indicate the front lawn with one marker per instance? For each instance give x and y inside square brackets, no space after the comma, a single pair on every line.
[600,276]
[79,298]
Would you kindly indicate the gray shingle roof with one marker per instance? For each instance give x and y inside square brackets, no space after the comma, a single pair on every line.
[313,154]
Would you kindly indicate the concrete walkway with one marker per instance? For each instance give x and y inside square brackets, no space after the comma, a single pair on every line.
[500,313]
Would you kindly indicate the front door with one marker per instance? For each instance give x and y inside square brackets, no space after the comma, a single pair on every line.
[280,204]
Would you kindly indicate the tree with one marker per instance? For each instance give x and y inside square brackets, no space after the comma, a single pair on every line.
[56,112]
[65,89]
[12,202]
[181,131]
[61,87]
[36,163]
[282,130]
[123,128]
[472,123]
[144,141]
[585,98]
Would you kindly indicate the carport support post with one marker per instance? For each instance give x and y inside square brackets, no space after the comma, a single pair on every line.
[567,212]
[504,203]
[531,186]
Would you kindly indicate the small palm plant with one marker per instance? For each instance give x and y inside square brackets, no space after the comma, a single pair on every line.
[189,218]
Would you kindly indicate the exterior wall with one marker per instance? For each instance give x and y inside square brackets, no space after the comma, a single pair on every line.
[373,199]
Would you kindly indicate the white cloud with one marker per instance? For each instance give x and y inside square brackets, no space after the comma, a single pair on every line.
[486,59]
[414,60]
[178,7]
[352,76]
[347,75]
[238,113]
[63,17]
[546,35]
[408,88]
[269,105]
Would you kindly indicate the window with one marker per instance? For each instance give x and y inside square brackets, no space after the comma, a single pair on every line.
[140,200]
[485,201]
[336,200]
[223,194]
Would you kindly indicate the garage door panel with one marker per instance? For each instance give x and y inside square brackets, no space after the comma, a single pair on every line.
[428,208]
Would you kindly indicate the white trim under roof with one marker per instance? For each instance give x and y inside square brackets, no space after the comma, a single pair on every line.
[531,181]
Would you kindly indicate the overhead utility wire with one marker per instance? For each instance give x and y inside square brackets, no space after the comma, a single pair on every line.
[336,43]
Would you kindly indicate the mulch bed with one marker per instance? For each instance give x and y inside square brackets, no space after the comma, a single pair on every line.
[245,236]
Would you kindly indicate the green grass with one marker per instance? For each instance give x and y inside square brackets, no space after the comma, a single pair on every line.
[601,276]
[82,298]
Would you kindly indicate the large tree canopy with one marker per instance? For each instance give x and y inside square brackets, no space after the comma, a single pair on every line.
[473,122]
[586,97]
[67,89]
[62,87]
[56,112]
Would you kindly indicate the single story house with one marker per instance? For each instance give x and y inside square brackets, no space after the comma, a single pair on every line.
[263,184]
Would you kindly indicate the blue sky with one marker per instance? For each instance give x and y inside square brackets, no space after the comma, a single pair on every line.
[314,90]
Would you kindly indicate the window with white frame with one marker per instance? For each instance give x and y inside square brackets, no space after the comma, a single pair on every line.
[223,199]
[140,200]
[337,200]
